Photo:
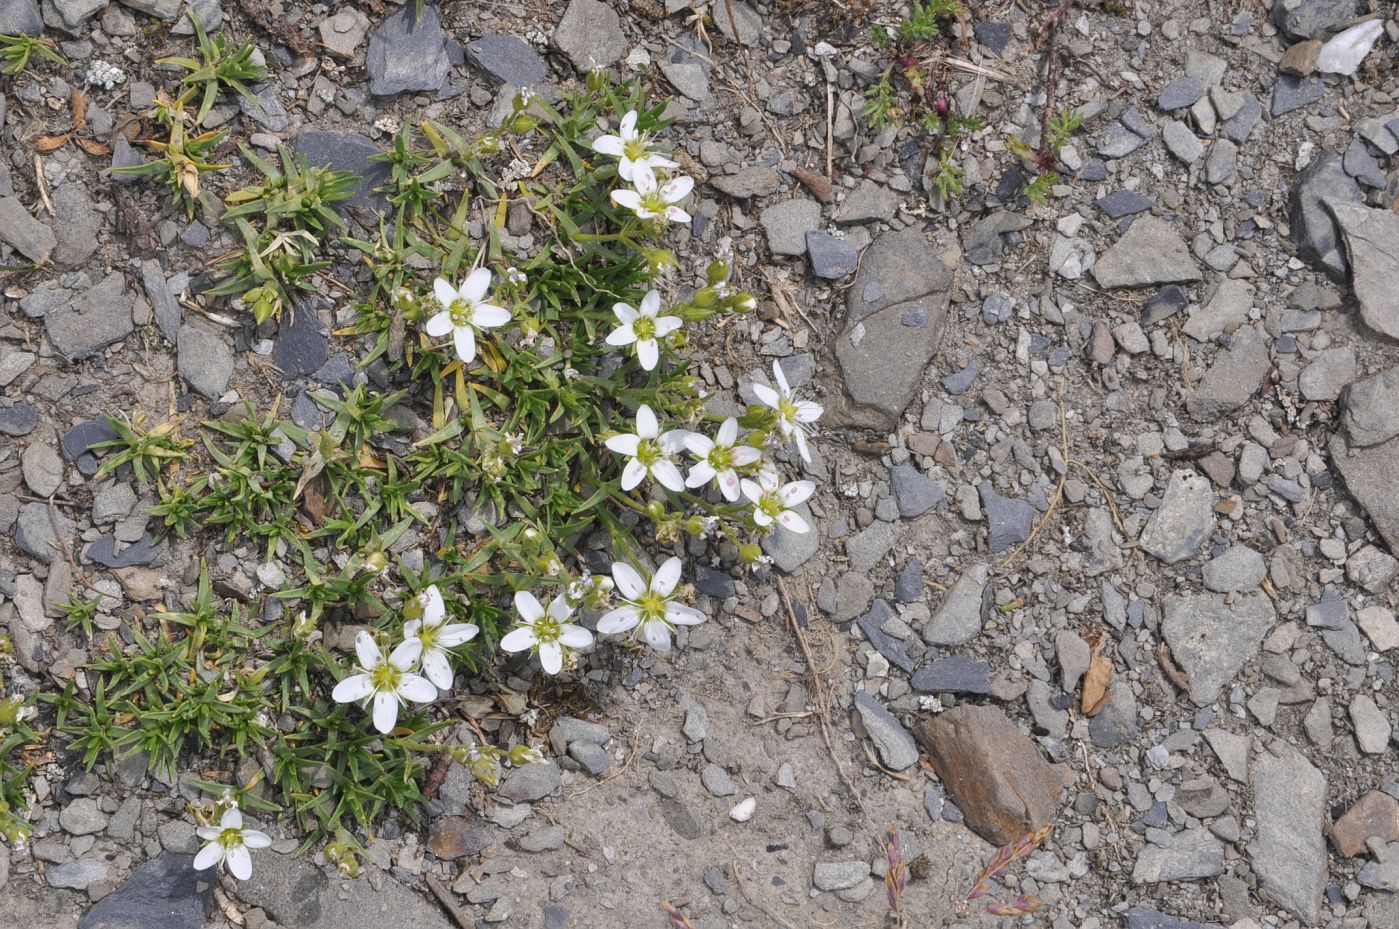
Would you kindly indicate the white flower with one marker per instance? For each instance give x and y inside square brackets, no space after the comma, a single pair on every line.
[389,680]
[792,414]
[548,631]
[463,312]
[641,325]
[634,150]
[228,844]
[436,637]
[651,609]
[773,502]
[648,202]
[650,452]
[718,457]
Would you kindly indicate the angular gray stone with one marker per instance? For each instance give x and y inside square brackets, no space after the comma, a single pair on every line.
[915,492]
[1292,93]
[34,531]
[963,610]
[1310,18]
[25,234]
[1151,252]
[574,729]
[717,781]
[1288,849]
[532,782]
[348,151]
[892,648]
[266,107]
[1009,520]
[1190,855]
[409,54]
[1372,250]
[1371,473]
[897,750]
[1181,142]
[294,893]
[1183,521]
[1179,94]
[787,224]
[509,59]
[42,468]
[1372,408]
[1316,192]
[165,307]
[1226,307]
[953,674]
[593,758]
[75,226]
[866,202]
[1235,376]
[205,356]
[790,550]
[1328,373]
[1141,917]
[831,258]
[829,876]
[590,34]
[1220,164]
[163,893]
[1237,568]
[93,320]
[1372,726]
[1211,640]
[79,874]
[749,181]
[21,17]
[342,33]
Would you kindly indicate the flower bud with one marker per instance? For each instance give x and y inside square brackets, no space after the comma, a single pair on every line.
[523,123]
[655,510]
[750,552]
[596,80]
[717,272]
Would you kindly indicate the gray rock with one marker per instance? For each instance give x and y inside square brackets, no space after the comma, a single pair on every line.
[303,343]
[1116,723]
[895,745]
[790,550]
[141,552]
[908,586]
[964,609]
[1316,193]
[1292,93]
[1151,252]
[1233,378]
[1371,473]
[266,107]
[1240,126]
[1141,917]
[892,648]
[92,321]
[82,817]
[830,876]
[869,201]
[543,839]
[591,756]
[1226,307]
[75,226]
[294,893]
[717,781]
[1181,142]
[532,782]
[1122,203]
[72,14]
[1211,639]
[161,9]
[42,468]
[713,583]
[1372,408]
[953,674]
[164,893]
[1363,166]
[34,531]
[749,181]
[1237,568]
[914,491]
[1189,856]
[78,875]
[1183,521]
[348,151]
[21,17]
[1382,875]
[692,80]
[590,34]
[205,356]
[1118,141]
[1372,247]
[342,33]
[1311,18]
[1009,521]
[1372,727]
[831,258]
[1329,373]
[959,382]
[788,223]
[1220,165]
[574,729]
[984,243]
[165,307]
[22,232]
[1288,850]
[19,419]
[407,54]
[1180,93]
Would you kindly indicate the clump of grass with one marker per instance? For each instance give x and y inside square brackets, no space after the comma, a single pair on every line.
[184,157]
[220,66]
[15,737]
[148,452]
[17,51]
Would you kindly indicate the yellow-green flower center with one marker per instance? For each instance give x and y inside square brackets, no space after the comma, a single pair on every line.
[461,311]
[231,838]
[644,327]
[787,410]
[771,505]
[651,606]
[547,629]
[635,149]
[655,203]
[721,458]
[648,452]
[385,677]
[428,636]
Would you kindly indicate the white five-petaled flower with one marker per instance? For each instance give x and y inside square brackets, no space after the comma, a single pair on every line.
[464,311]
[389,679]
[641,325]
[648,201]
[718,457]
[228,844]
[548,631]
[650,609]
[634,150]
[793,415]
[650,451]
[773,501]
[437,636]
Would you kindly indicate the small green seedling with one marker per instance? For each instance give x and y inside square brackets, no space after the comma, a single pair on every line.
[218,67]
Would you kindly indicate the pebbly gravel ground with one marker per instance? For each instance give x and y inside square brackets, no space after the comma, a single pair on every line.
[1147,426]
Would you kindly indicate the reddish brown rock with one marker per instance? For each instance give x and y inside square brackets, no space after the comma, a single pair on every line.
[457,837]
[1300,59]
[1374,815]
[994,774]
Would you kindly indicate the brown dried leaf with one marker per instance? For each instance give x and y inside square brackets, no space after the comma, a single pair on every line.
[818,184]
[50,143]
[77,102]
[1096,684]
[93,147]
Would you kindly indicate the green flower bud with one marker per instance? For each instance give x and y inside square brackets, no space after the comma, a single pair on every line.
[717,272]
[750,552]
[655,510]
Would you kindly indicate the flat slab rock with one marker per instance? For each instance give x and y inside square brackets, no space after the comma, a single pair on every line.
[1288,849]
[1371,473]
[163,893]
[1211,639]
[1151,252]
[295,893]
[994,773]
[1372,247]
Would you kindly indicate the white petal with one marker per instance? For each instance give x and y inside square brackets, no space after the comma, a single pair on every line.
[646,425]
[651,303]
[659,161]
[760,518]
[728,432]
[802,447]
[751,490]
[551,657]
[793,521]
[518,639]
[559,608]
[767,395]
[781,378]
[439,325]
[490,316]
[475,286]
[355,687]
[628,580]
[646,185]
[385,711]
[657,635]
[437,669]
[575,636]
[207,832]
[622,335]
[367,650]
[678,189]
[768,479]
[797,492]
[624,312]
[701,445]
[700,474]
[444,292]
[608,145]
[457,634]
[745,455]
[673,441]
[676,215]
[254,839]
[728,485]
[633,474]
[406,654]
[466,344]
[420,689]
[240,863]
[666,577]
[668,475]
[434,609]
[231,819]
[648,353]
[683,615]
[627,199]
[624,444]
[208,856]
[665,325]
[639,172]
[808,412]
[623,619]
[528,606]
[628,125]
